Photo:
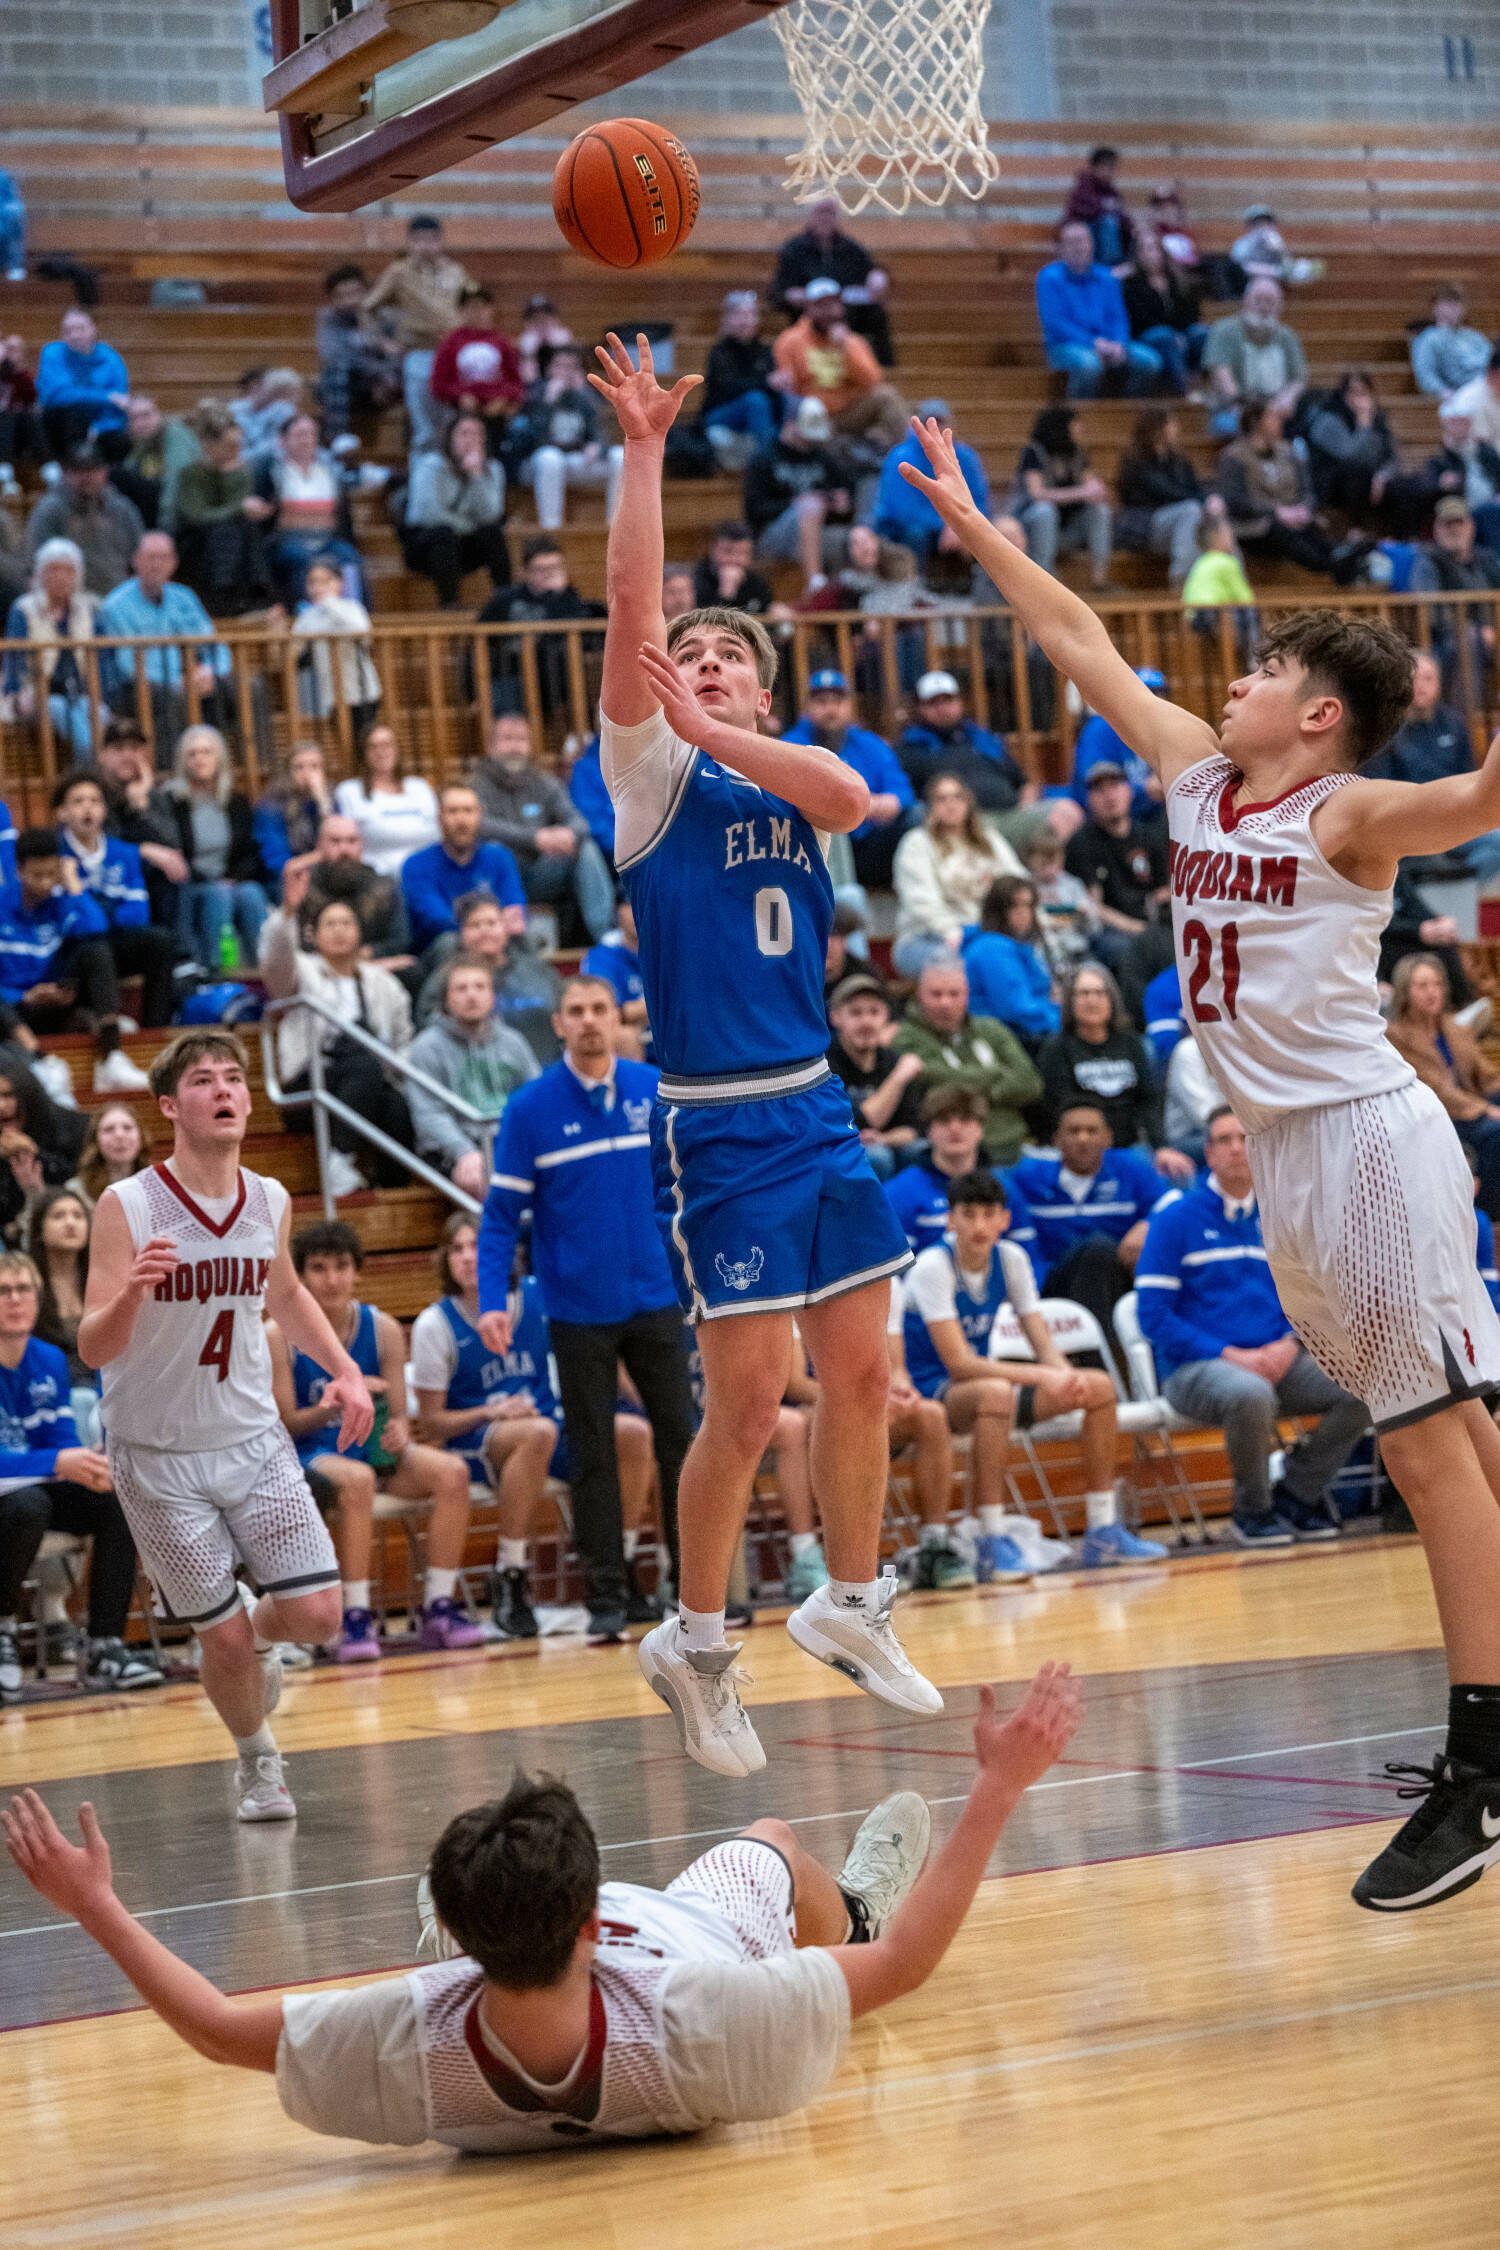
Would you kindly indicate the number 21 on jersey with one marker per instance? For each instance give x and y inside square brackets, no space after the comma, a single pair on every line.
[1198,949]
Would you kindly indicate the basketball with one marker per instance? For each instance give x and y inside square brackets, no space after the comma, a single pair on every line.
[625,193]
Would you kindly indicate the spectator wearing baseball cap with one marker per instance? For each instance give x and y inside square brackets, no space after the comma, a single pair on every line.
[1098,744]
[829,720]
[1121,861]
[792,487]
[943,740]
[1454,563]
[882,1084]
[825,360]
[904,514]
[824,252]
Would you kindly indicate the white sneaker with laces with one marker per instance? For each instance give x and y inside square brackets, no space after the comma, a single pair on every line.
[701,1689]
[261,1788]
[887,1855]
[117,1074]
[863,1646]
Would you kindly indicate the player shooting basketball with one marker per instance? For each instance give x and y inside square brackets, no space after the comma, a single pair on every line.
[1282,863]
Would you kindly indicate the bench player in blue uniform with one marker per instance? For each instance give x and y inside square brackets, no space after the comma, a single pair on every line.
[767,1202]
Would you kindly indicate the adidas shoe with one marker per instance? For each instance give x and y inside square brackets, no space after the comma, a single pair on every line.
[998,1558]
[887,1856]
[701,1689]
[111,1667]
[941,1569]
[808,1572]
[1446,1845]
[510,1605]
[356,1643]
[261,1788]
[863,1646]
[1110,1543]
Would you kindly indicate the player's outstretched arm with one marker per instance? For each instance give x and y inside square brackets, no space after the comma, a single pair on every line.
[305,1326]
[1011,1757]
[633,564]
[1364,830]
[121,1278]
[1065,628]
[832,795]
[79,1882]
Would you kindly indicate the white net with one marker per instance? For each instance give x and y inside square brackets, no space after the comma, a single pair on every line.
[890,93]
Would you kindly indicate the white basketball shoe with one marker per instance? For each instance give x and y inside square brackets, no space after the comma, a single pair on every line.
[701,1689]
[862,1644]
[261,1788]
[886,1857]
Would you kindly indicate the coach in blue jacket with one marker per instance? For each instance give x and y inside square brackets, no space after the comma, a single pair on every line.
[575,1146]
[110,871]
[1225,1353]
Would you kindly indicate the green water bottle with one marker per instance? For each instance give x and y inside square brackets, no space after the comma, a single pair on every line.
[229,950]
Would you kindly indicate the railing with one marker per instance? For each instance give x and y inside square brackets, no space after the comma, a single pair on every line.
[440,678]
[326,1104]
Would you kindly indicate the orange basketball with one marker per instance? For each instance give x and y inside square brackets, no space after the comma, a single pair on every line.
[625,193]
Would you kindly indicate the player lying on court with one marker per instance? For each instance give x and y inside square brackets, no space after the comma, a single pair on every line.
[764,1194]
[566,2010]
[187,1258]
[1282,860]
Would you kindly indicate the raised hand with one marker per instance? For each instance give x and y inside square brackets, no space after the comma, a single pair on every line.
[1018,1750]
[945,488]
[645,410]
[73,1881]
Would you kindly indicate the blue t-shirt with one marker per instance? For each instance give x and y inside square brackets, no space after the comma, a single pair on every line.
[434,883]
[613,960]
[312,1381]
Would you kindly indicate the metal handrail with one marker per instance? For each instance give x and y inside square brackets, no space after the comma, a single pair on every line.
[325,1104]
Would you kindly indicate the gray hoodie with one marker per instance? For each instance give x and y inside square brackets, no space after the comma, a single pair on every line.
[515,802]
[484,1067]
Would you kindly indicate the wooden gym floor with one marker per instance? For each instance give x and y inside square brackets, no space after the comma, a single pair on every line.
[1164,2024]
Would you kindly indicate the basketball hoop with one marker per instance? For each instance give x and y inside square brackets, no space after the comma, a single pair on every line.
[890,93]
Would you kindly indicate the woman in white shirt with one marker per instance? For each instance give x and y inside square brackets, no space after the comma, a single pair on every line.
[395,812]
[943,871]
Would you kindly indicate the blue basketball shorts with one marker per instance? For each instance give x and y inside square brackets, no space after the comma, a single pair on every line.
[769,1204]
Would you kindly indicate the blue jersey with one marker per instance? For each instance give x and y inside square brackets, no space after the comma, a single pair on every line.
[312,1381]
[976,1315]
[733,902]
[613,960]
[481,1375]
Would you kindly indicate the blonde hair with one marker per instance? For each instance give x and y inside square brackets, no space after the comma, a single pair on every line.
[181,786]
[1401,979]
[93,1171]
[16,1261]
[975,834]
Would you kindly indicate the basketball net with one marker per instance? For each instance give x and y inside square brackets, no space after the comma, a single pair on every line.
[890,93]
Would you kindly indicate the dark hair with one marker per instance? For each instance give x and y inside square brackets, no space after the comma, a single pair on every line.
[1366,665]
[978,1187]
[584,977]
[1001,897]
[456,425]
[337,275]
[1494,359]
[189,1047]
[541,543]
[125,730]
[1119,1014]
[514,1881]
[71,780]
[716,617]
[730,528]
[1250,414]
[1084,1101]
[476,293]
[453,1226]
[457,961]
[37,843]
[1147,430]
[1213,1117]
[1104,156]
[954,1101]
[424,223]
[93,1172]
[1052,431]
[469,903]
[50,1324]
[327,1238]
[362,758]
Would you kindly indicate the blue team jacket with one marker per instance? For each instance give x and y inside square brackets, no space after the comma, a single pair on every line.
[31,939]
[1202,1282]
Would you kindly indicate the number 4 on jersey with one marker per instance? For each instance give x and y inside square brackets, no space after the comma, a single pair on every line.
[1198,942]
[218,1345]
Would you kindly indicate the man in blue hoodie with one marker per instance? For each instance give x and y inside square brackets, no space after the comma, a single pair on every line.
[112,875]
[1084,328]
[81,384]
[908,516]
[1226,1354]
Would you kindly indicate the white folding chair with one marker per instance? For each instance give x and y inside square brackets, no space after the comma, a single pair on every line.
[1141,1361]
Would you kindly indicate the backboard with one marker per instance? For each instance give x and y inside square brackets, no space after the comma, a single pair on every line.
[368,109]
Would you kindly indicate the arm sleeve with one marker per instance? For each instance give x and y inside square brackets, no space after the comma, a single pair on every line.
[930,1288]
[1014,1081]
[917,887]
[349,2064]
[644,769]
[1020,1281]
[1116,326]
[278,956]
[425,904]
[754,2038]
[85,918]
[511,1187]
[434,1351]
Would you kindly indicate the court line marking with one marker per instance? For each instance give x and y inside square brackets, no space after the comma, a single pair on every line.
[700,1835]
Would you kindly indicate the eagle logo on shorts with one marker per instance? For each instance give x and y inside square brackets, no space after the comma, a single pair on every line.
[741,1275]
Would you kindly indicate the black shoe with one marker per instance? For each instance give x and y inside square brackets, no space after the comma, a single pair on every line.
[110,1667]
[1260,1531]
[642,1609]
[739,1613]
[510,1605]
[1447,1844]
[1307,1519]
[608,1623]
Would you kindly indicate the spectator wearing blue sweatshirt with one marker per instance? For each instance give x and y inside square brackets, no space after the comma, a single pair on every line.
[908,516]
[1162,1005]
[1226,1355]
[435,880]
[829,720]
[111,873]
[587,790]
[953,1118]
[49,1482]
[575,1146]
[1089,1202]
[81,384]
[56,968]
[1084,326]
[1010,975]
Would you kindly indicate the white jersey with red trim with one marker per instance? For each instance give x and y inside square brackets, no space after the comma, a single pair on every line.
[1276,950]
[196,1374]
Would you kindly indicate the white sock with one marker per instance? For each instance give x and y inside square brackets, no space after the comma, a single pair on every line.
[356,1593]
[1101,1508]
[632,1543]
[992,1522]
[933,1535]
[256,1745]
[700,1628]
[803,1543]
[852,1593]
[511,1555]
[440,1585]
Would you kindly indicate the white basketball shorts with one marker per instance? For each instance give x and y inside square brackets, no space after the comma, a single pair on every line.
[1367,1213]
[749,1884]
[192,1515]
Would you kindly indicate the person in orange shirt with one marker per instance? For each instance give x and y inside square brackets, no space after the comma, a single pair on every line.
[828,363]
